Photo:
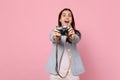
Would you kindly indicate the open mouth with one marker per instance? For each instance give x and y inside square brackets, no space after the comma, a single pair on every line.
[66,21]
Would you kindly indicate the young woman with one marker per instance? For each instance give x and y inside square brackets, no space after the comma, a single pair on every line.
[65,62]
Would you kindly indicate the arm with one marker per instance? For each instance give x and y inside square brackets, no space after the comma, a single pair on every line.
[54,36]
[76,39]
[51,36]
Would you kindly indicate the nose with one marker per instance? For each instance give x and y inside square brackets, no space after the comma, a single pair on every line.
[67,18]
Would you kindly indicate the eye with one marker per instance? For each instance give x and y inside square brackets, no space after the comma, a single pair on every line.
[69,15]
[63,15]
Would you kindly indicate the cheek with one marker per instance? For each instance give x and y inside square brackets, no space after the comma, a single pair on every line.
[70,19]
[61,20]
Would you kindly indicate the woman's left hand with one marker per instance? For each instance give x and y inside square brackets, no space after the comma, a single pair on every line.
[71,34]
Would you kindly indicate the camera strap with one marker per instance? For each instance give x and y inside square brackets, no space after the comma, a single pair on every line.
[70,60]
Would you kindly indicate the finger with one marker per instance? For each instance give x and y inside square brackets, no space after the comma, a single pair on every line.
[57,34]
[72,37]
[71,32]
[70,29]
[57,31]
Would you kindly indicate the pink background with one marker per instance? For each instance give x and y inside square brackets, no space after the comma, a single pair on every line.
[24,37]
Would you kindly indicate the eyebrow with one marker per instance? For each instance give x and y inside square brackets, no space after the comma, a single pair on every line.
[65,13]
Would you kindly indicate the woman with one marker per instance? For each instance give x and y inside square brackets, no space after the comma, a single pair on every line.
[65,62]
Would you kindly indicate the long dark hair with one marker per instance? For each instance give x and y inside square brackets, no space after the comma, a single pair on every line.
[72,24]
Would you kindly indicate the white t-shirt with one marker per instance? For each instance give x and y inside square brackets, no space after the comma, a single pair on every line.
[64,67]
[65,60]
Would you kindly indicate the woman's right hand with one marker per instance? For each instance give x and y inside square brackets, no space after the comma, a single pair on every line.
[56,35]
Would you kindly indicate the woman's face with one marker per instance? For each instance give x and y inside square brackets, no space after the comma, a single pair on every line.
[66,18]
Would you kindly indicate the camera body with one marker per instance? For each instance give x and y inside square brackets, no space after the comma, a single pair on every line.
[63,30]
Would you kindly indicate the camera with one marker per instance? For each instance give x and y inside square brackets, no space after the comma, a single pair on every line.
[63,30]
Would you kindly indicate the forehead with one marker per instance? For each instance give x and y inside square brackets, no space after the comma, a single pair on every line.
[66,12]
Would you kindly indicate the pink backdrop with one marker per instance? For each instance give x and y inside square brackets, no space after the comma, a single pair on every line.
[25,45]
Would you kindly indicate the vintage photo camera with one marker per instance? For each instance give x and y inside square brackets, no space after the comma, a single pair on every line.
[63,30]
